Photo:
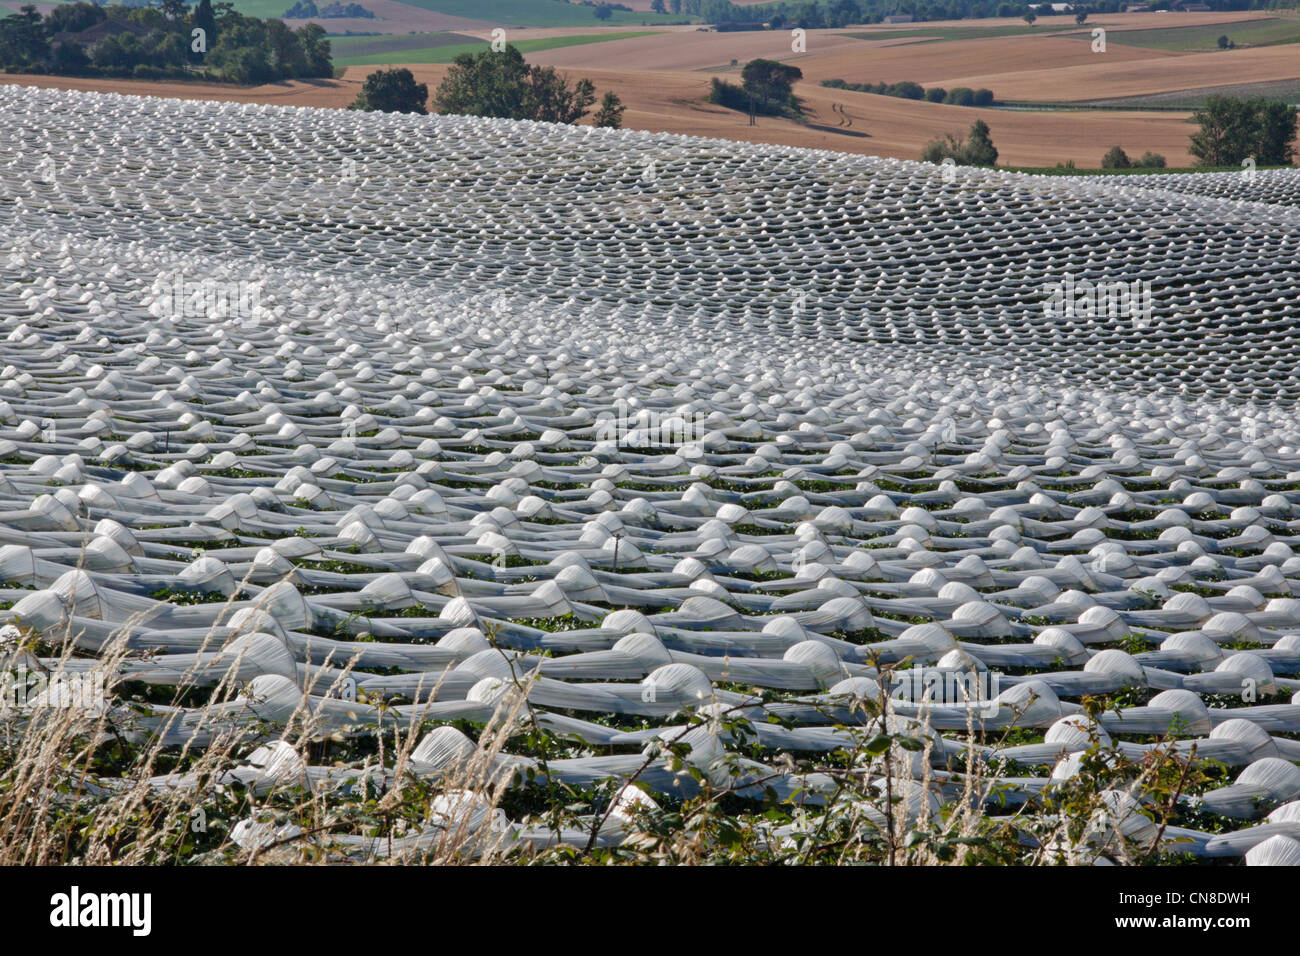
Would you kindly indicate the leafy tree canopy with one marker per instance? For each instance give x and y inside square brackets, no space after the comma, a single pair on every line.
[392,91]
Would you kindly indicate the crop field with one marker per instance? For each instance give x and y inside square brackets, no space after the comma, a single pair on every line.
[391,488]
[412,50]
[539,13]
[1144,95]
[1288,90]
[1205,37]
[347,47]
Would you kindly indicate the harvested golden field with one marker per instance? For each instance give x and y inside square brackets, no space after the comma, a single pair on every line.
[1128,21]
[950,64]
[690,49]
[1112,74]
[837,119]
[663,78]
[880,125]
[901,129]
[854,53]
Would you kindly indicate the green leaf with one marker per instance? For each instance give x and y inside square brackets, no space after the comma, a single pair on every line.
[877,744]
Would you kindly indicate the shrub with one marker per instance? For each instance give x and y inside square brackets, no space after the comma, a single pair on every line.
[728,95]
[978,150]
[937,150]
[962,96]
[1151,161]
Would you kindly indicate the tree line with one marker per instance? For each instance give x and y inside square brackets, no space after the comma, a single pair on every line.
[958,96]
[210,41]
[784,14]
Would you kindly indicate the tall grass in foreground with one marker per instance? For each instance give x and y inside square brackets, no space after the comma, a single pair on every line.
[129,781]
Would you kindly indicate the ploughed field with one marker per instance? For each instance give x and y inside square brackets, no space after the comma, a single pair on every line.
[480,467]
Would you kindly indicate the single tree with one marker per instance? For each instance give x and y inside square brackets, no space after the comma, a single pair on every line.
[23,38]
[315,51]
[205,20]
[73,17]
[658,6]
[604,11]
[173,10]
[980,150]
[771,83]
[1080,16]
[1225,137]
[610,114]
[937,150]
[1030,17]
[1223,42]
[392,91]
[551,100]
[1275,132]
[1115,158]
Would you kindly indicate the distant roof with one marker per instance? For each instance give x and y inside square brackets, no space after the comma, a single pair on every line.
[102,29]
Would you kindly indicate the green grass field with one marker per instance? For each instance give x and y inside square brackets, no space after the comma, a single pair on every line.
[271,8]
[347,51]
[355,46]
[1268,32]
[542,13]
[518,13]
[1044,25]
